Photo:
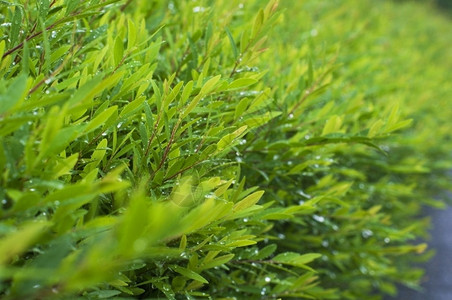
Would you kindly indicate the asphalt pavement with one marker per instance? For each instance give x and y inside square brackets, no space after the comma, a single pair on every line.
[437,282]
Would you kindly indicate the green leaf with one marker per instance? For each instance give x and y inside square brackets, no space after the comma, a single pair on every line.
[25,58]
[132,34]
[118,50]
[244,41]
[394,115]
[97,156]
[209,85]
[71,5]
[240,83]
[248,201]
[58,53]
[241,243]
[265,252]
[258,21]
[241,108]
[46,44]
[260,120]
[44,6]
[310,71]
[375,128]
[19,241]
[399,125]
[191,106]
[333,124]
[85,92]
[65,165]
[186,92]
[227,140]
[295,259]
[61,140]
[15,26]
[132,107]
[101,119]
[221,260]
[235,51]
[189,274]
[14,94]
[183,243]
[104,294]
[2,49]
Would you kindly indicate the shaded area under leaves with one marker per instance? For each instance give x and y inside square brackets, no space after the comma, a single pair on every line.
[445,4]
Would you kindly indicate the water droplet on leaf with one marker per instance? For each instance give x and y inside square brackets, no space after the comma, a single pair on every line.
[318,218]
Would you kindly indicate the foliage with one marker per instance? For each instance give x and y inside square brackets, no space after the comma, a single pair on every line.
[218,149]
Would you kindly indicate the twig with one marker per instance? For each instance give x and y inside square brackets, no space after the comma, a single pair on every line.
[184,169]
[58,70]
[10,51]
[125,5]
[312,87]
[167,148]
[19,46]
[148,148]
[179,67]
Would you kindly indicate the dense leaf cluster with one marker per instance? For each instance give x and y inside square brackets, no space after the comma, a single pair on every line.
[218,149]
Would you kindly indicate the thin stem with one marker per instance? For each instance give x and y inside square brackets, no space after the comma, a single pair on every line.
[10,51]
[154,133]
[19,46]
[125,5]
[312,87]
[167,148]
[179,67]
[184,169]
[53,74]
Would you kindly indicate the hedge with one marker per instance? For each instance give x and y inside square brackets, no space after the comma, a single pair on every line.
[219,149]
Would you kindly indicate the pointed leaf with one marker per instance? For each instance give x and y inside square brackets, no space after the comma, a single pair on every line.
[189,273]
[248,201]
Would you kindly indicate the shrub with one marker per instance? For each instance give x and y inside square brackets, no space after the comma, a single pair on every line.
[200,149]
